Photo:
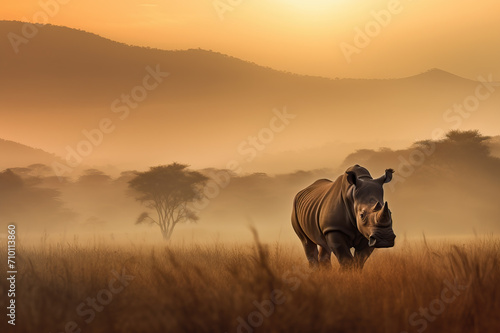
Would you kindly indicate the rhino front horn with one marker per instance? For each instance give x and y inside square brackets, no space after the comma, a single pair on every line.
[384,217]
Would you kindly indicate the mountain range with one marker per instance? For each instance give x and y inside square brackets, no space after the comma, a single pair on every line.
[64,83]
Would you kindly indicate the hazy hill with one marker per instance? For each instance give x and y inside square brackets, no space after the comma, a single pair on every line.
[14,154]
[64,81]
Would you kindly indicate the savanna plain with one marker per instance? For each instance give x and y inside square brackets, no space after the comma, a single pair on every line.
[105,285]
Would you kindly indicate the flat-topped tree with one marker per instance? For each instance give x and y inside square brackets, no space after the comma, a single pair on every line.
[167,189]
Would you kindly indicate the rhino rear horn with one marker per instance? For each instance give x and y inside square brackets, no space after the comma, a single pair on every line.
[377,207]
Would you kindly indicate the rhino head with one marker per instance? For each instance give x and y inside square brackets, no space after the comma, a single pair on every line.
[373,219]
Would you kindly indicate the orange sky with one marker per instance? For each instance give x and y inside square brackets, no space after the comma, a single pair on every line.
[302,36]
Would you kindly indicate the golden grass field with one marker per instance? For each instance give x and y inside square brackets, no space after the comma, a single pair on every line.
[418,286]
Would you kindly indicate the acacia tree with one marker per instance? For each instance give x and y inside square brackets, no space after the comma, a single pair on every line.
[167,189]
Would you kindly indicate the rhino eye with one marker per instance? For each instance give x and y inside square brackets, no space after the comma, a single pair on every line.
[363,214]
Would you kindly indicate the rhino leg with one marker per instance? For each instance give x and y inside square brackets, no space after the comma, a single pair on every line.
[361,253]
[337,242]
[324,257]
[310,248]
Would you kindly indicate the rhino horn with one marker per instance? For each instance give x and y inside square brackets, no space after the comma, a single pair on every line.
[384,216]
[377,207]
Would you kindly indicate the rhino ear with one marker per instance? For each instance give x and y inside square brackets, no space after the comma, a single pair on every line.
[351,178]
[387,177]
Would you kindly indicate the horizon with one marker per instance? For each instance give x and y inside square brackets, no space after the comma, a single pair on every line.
[114,171]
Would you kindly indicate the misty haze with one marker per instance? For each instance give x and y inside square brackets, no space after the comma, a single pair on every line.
[228,166]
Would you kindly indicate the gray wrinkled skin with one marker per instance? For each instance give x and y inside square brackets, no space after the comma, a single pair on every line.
[347,213]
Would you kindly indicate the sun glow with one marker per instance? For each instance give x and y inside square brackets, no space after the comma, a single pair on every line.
[314,5]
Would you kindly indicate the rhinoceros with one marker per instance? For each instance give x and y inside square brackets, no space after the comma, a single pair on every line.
[347,213]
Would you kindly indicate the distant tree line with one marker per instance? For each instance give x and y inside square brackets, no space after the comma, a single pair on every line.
[453,188]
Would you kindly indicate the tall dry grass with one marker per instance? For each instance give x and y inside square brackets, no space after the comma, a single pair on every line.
[214,288]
